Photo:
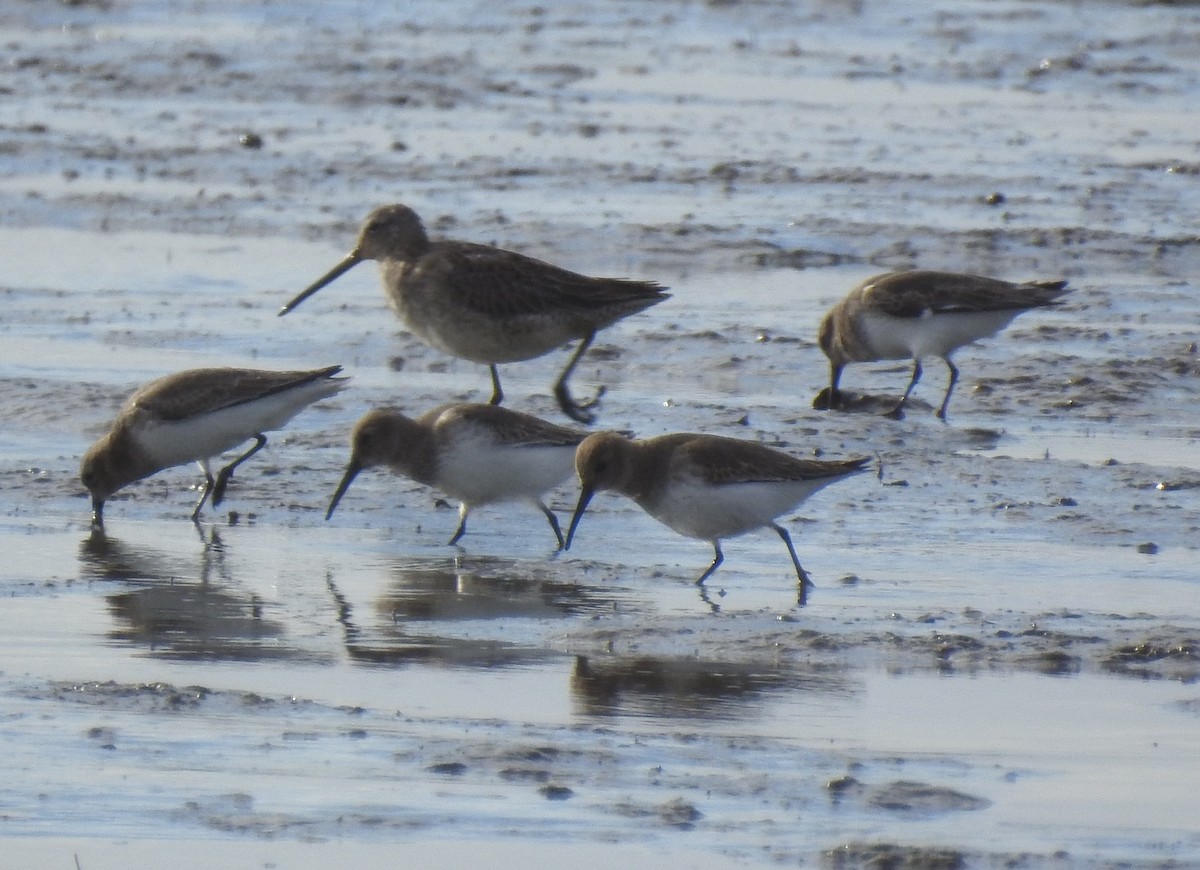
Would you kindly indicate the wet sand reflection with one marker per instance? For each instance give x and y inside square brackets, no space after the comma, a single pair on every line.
[185,609]
[690,688]
[430,604]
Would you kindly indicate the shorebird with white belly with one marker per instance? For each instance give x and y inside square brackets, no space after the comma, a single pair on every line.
[918,314]
[194,416]
[478,454]
[486,304]
[707,487]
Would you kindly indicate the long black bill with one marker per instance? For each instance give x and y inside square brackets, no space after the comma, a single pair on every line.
[585,496]
[351,260]
[97,512]
[352,471]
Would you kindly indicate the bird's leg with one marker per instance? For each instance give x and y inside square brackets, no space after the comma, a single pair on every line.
[497,393]
[208,488]
[718,558]
[462,525]
[801,574]
[577,411]
[218,489]
[553,523]
[949,389]
[897,413]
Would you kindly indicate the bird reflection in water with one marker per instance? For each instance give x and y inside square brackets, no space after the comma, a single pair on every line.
[484,587]
[207,618]
[420,617]
[690,688]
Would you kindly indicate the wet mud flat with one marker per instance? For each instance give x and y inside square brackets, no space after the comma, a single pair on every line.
[998,666]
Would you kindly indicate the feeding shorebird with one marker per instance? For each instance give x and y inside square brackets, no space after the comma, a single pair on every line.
[486,304]
[911,315]
[477,454]
[194,416]
[705,486]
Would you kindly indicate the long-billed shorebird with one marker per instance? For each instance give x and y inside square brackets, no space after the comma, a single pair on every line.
[705,486]
[477,454]
[486,304]
[194,416]
[917,314]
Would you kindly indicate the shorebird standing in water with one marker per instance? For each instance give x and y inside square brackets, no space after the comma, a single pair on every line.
[486,304]
[194,416]
[911,315]
[705,486]
[477,454]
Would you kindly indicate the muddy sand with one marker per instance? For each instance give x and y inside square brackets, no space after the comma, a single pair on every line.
[998,665]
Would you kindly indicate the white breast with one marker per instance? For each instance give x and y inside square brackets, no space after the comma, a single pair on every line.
[207,435]
[931,335]
[707,512]
[477,471]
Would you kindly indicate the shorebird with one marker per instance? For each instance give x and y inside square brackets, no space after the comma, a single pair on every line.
[911,315]
[705,486]
[477,454]
[195,416]
[486,304]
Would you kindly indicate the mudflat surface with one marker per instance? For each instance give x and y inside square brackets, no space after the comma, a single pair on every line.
[998,665]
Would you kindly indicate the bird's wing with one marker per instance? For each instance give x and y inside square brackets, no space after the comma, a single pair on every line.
[920,293]
[199,391]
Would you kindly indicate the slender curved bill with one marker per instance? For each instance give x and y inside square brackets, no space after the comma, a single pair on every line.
[585,496]
[352,471]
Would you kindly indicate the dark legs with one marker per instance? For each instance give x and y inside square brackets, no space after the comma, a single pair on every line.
[718,558]
[577,411]
[222,481]
[801,574]
[215,487]
[829,398]
[949,389]
[462,525]
[553,524]
[897,413]
[497,393]
[208,488]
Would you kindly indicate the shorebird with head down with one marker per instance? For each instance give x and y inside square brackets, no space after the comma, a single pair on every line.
[918,314]
[194,416]
[477,454]
[707,487]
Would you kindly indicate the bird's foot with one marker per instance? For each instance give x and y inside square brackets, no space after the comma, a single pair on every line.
[580,412]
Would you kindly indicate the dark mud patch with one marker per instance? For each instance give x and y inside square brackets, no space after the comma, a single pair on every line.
[921,799]
[890,856]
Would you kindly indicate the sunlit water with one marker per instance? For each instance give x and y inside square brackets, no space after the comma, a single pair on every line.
[999,654]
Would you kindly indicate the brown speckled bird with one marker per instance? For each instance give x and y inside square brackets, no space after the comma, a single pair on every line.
[910,315]
[486,304]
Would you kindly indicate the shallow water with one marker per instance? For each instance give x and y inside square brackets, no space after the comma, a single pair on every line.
[998,664]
